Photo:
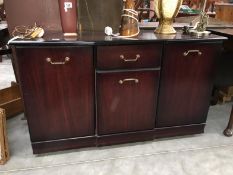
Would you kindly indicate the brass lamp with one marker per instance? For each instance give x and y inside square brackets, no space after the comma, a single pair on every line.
[166,11]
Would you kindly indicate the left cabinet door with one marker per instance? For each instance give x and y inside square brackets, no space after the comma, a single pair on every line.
[58,91]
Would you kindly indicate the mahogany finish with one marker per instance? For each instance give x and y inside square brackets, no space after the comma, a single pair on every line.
[135,56]
[186,84]
[95,99]
[63,144]
[149,134]
[59,99]
[126,107]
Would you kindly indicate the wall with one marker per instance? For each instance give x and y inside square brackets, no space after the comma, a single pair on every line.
[27,12]
[92,14]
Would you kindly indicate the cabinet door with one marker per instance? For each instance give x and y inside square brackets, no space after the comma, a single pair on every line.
[186,83]
[126,101]
[58,91]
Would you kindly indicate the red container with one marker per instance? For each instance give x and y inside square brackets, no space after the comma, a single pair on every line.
[68,13]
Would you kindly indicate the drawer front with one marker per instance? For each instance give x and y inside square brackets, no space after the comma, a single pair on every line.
[130,56]
[126,101]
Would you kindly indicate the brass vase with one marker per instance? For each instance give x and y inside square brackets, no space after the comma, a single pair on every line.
[166,11]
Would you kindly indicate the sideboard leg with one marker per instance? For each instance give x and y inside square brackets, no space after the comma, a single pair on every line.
[229,130]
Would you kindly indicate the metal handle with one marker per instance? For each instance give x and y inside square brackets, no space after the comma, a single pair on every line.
[49,60]
[128,79]
[192,51]
[130,60]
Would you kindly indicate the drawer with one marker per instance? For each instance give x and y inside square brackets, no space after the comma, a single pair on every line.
[190,51]
[126,101]
[129,56]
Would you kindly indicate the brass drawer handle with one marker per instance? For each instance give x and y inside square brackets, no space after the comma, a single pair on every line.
[192,51]
[49,60]
[128,79]
[130,60]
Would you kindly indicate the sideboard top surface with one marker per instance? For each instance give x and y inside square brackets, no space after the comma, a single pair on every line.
[99,38]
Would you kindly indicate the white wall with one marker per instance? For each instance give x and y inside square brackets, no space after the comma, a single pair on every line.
[1,1]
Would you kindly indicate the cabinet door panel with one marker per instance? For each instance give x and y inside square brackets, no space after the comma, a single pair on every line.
[126,101]
[58,97]
[186,83]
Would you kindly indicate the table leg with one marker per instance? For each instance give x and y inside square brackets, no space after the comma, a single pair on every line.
[229,130]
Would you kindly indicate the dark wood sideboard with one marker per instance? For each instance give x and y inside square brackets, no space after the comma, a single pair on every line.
[98,90]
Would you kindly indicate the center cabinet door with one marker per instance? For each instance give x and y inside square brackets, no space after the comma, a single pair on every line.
[126,101]
[58,91]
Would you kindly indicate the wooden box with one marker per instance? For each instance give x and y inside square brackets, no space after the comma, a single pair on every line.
[224,11]
[11,101]
[4,150]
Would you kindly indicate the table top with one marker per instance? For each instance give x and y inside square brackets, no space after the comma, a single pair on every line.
[185,21]
[223,32]
[99,38]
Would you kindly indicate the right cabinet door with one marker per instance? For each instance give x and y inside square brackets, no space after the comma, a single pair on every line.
[186,83]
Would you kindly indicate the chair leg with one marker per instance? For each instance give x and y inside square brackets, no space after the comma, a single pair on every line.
[229,130]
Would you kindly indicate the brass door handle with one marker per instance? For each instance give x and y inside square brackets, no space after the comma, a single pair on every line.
[49,60]
[130,60]
[192,51]
[128,79]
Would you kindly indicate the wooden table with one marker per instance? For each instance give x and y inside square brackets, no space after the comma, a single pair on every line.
[224,11]
[228,46]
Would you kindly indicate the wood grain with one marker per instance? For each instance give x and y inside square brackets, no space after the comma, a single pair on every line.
[59,99]
[150,56]
[186,84]
[129,106]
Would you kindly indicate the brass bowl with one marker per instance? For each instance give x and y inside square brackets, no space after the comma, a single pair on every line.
[166,11]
